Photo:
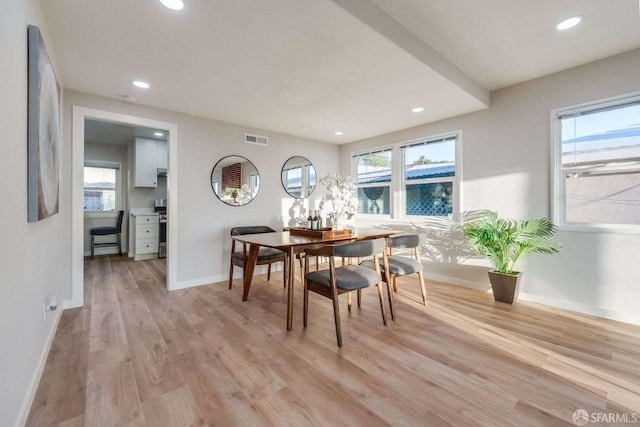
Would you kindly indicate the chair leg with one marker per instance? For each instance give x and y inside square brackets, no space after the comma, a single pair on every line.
[301,270]
[392,305]
[285,274]
[423,291]
[119,245]
[395,284]
[317,263]
[305,307]
[384,315]
[231,275]
[305,288]
[349,301]
[359,297]
[336,318]
[92,245]
[268,272]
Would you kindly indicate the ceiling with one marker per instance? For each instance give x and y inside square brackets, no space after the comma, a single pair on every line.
[313,67]
[112,133]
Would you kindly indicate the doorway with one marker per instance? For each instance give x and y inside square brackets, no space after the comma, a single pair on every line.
[81,116]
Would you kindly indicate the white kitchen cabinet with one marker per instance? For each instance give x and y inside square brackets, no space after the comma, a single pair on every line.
[161,155]
[145,236]
[145,159]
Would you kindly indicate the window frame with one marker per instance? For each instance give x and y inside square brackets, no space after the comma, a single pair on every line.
[119,194]
[354,173]
[557,181]
[397,190]
[455,182]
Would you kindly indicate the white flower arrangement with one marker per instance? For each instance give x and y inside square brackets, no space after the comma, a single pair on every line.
[342,193]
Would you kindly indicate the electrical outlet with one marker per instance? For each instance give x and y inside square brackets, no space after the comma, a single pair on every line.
[50,304]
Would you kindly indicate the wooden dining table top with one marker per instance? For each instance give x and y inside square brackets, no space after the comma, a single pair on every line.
[284,239]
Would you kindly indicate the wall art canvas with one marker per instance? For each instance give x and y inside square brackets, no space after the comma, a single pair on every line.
[43,181]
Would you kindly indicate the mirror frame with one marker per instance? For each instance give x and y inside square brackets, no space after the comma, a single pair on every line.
[283,182]
[220,197]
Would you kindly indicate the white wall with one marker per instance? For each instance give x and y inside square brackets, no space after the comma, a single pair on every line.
[32,265]
[506,151]
[204,221]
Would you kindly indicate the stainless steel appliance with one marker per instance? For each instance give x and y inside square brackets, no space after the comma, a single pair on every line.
[160,206]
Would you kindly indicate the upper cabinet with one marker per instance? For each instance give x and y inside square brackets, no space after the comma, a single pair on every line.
[161,154]
[149,155]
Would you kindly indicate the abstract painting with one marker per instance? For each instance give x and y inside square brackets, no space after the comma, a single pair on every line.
[43,171]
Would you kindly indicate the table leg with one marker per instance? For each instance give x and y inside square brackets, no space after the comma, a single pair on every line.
[292,269]
[249,267]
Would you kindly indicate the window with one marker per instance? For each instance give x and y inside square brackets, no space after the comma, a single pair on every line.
[415,178]
[101,187]
[429,170]
[373,176]
[299,178]
[597,165]
[255,184]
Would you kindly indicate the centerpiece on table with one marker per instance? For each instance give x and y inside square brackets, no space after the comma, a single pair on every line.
[342,195]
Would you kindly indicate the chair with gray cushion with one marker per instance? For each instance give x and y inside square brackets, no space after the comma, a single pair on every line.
[108,231]
[339,280]
[266,256]
[403,265]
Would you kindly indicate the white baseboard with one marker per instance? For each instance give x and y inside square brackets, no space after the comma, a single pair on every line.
[37,373]
[633,319]
[69,303]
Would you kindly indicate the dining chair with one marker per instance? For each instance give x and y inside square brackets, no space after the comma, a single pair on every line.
[400,265]
[335,281]
[266,256]
[108,231]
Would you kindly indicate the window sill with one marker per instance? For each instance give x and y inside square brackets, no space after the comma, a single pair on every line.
[600,228]
[98,214]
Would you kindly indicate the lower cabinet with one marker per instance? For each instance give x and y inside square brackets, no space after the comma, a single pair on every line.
[145,240]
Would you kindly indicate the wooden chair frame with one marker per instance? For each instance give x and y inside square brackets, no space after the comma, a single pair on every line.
[333,291]
[245,256]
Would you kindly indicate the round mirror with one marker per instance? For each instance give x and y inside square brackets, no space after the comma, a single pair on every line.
[235,180]
[298,177]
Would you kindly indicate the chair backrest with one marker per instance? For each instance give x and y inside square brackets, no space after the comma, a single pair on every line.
[119,221]
[256,229]
[406,241]
[359,249]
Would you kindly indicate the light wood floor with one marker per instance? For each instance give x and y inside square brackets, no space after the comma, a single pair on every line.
[139,355]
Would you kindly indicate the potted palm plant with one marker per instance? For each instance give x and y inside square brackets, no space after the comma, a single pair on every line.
[505,242]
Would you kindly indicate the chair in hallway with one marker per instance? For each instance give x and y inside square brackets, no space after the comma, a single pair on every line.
[339,280]
[108,231]
[266,256]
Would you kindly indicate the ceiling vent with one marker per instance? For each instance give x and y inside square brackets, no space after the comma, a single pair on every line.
[256,139]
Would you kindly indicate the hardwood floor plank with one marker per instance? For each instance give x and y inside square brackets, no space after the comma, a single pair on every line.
[174,408]
[137,354]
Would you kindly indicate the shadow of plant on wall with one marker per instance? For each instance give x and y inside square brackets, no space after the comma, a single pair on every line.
[444,241]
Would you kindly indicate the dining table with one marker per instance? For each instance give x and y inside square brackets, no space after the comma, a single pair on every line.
[291,244]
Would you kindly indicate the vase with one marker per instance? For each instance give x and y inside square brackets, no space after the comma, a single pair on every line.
[339,223]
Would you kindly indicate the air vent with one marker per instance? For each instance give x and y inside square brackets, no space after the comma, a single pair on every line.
[256,139]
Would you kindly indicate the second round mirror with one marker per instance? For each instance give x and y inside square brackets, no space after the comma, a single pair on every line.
[298,177]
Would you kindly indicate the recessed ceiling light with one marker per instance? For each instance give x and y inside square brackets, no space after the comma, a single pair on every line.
[418,109]
[141,84]
[159,134]
[339,133]
[569,23]
[173,4]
